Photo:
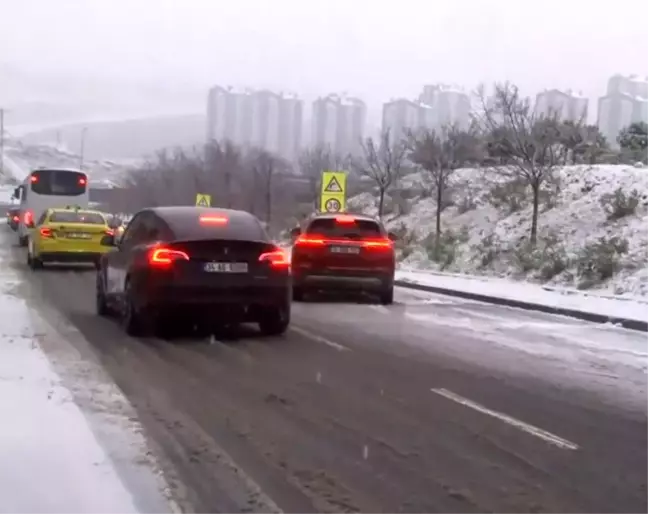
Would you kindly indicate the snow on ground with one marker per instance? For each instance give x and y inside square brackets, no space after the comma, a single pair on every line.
[51,460]
[635,308]
[573,220]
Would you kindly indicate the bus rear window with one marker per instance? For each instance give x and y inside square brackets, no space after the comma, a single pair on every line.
[58,182]
[93,218]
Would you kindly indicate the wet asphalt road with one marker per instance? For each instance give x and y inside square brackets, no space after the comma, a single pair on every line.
[424,406]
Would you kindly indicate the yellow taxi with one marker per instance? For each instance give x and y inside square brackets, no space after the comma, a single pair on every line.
[68,235]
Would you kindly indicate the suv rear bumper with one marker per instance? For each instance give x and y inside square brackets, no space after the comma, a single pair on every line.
[345,282]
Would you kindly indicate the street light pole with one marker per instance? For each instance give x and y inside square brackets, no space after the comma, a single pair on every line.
[83,135]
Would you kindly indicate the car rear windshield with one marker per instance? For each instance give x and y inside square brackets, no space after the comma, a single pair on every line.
[331,228]
[58,182]
[237,228]
[77,217]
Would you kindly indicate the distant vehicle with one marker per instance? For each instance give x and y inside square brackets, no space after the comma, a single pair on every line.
[69,235]
[343,252]
[48,188]
[206,265]
[13,217]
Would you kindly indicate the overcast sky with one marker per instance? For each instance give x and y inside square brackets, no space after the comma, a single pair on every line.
[377,49]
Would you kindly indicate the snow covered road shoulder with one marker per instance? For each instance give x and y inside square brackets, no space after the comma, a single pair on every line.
[623,307]
[59,453]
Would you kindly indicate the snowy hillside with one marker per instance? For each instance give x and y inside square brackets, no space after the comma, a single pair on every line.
[19,159]
[592,230]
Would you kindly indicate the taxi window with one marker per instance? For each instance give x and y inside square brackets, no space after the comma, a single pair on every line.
[77,217]
[331,228]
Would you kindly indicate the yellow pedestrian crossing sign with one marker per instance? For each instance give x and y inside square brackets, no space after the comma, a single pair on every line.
[333,195]
[203,200]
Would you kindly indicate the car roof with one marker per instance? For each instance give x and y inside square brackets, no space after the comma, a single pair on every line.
[68,209]
[54,168]
[182,219]
[331,215]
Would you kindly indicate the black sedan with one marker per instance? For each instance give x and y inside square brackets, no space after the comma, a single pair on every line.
[202,265]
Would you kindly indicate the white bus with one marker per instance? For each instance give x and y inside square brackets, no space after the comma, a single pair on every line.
[46,188]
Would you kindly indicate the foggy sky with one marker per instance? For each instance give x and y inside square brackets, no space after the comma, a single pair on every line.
[318,46]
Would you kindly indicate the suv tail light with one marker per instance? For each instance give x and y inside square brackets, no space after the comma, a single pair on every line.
[310,241]
[378,244]
[277,259]
[46,232]
[163,257]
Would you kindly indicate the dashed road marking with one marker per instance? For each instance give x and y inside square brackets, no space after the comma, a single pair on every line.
[525,427]
[317,338]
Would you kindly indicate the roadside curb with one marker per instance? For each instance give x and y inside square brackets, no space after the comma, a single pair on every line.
[631,324]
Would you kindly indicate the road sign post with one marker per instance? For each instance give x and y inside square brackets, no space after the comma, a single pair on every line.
[333,195]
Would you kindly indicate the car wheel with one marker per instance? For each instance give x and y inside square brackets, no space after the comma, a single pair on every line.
[34,262]
[387,296]
[298,294]
[136,323]
[274,321]
[103,309]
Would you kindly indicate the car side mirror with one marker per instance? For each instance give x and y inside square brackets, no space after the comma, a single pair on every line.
[108,240]
[393,236]
[295,232]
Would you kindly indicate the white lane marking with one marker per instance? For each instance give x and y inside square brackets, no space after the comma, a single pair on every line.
[525,427]
[318,339]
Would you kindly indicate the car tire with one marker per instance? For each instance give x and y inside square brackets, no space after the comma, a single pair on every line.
[387,296]
[103,309]
[298,294]
[274,321]
[136,323]
[34,263]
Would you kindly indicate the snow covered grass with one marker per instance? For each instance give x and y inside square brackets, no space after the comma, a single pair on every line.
[584,236]
[51,459]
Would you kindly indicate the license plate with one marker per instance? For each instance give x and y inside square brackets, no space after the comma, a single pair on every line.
[345,249]
[78,235]
[226,267]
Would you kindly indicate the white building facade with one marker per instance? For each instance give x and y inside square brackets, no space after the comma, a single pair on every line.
[566,105]
[626,102]
[339,124]
[450,105]
[261,119]
[402,116]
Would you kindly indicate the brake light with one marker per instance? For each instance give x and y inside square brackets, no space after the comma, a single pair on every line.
[109,232]
[344,219]
[33,179]
[165,256]
[46,232]
[276,259]
[15,218]
[83,181]
[310,241]
[213,220]
[28,217]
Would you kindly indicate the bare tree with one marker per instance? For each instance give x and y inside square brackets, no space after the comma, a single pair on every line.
[440,154]
[265,167]
[529,142]
[383,162]
[223,162]
[314,161]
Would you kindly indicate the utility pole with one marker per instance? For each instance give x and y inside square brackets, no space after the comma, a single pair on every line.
[2,111]
[83,135]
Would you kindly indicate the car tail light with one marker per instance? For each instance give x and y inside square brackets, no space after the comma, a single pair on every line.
[28,217]
[310,241]
[166,257]
[83,181]
[16,218]
[378,244]
[33,179]
[109,232]
[213,220]
[46,232]
[277,259]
